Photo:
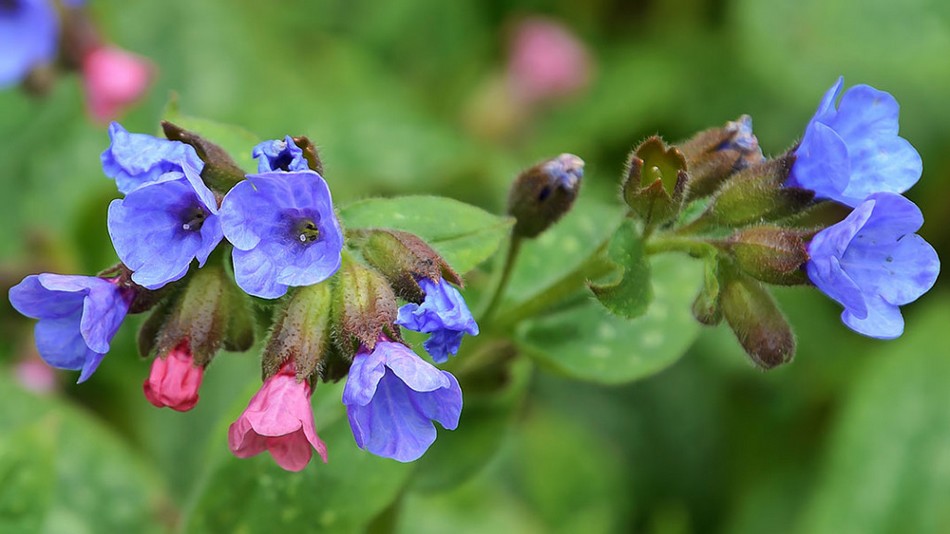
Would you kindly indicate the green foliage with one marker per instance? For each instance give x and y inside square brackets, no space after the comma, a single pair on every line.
[463,234]
[630,296]
[588,343]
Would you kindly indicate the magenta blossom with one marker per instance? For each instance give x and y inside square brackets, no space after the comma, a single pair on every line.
[547,61]
[174,380]
[278,419]
[114,79]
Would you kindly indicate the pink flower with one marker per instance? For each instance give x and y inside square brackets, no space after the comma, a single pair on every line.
[113,79]
[174,380]
[547,61]
[278,419]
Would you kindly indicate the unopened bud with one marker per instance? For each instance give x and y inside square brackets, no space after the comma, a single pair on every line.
[769,253]
[715,154]
[220,172]
[403,258]
[301,332]
[363,307]
[757,194]
[656,181]
[544,193]
[756,320]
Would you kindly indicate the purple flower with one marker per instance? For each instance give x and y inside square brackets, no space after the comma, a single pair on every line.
[443,314]
[854,151]
[160,227]
[29,33]
[284,232]
[872,262]
[566,171]
[392,396]
[279,155]
[78,316]
[133,160]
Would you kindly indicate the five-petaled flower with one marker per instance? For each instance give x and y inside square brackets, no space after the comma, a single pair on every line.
[279,419]
[872,263]
[854,151]
[279,155]
[392,396]
[174,379]
[78,316]
[443,314]
[158,228]
[133,159]
[284,232]
[29,35]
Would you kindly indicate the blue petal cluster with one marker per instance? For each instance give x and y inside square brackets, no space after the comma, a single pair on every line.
[29,35]
[284,231]
[854,151]
[566,171]
[392,396]
[872,263]
[443,314]
[78,316]
[279,155]
[159,227]
[133,160]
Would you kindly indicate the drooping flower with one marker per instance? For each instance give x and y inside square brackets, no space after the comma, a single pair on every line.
[174,379]
[284,232]
[78,316]
[392,397]
[279,155]
[29,36]
[854,151]
[114,79]
[133,160]
[872,263]
[158,228]
[443,314]
[279,419]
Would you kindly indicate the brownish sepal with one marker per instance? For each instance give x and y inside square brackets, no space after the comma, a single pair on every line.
[220,173]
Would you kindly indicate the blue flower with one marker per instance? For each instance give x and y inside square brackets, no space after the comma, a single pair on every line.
[29,33]
[854,151]
[565,171]
[160,227]
[78,316]
[133,160]
[443,314]
[872,262]
[284,232]
[279,155]
[392,396]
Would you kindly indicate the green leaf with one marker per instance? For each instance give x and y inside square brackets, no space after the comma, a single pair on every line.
[63,472]
[630,296]
[256,495]
[586,342]
[463,234]
[889,456]
[237,141]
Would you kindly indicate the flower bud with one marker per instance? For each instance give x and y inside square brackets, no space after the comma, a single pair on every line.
[655,181]
[310,153]
[770,254]
[757,194]
[113,80]
[220,172]
[209,312]
[174,379]
[363,307]
[756,320]
[301,332]
[714,154]
[403,258]
[544,193]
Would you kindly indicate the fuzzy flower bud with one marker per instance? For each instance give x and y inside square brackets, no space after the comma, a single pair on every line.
[542,194]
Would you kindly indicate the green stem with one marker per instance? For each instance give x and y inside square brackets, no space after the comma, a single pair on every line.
[514,248]
[690,246]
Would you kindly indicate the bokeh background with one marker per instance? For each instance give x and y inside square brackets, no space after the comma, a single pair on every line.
[416,96]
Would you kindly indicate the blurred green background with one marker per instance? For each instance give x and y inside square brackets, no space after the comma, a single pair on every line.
[403,97]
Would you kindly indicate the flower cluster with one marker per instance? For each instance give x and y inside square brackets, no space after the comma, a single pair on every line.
[183,208]
[872,262]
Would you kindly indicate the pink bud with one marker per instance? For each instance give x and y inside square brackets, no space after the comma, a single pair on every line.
[113,79]
[174,380]
[35,375]
[278,419]
[547,61]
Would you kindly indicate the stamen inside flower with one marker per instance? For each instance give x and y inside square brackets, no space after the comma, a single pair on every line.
[307,231]
[194,217]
